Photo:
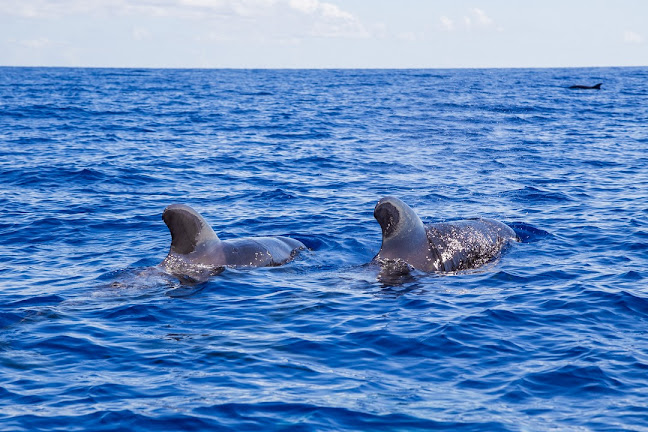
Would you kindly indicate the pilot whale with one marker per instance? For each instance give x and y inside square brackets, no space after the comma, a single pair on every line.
[197,252]
[438,247]
[584,87]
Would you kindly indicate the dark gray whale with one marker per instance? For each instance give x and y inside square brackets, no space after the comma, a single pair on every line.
[583,87]
[196,250]
[439,247]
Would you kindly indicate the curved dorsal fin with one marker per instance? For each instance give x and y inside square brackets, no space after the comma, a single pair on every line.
[188,228]
[402,229]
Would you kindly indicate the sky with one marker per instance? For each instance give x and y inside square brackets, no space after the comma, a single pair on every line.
[324,33]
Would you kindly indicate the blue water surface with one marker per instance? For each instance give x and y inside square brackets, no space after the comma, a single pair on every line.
[95,337]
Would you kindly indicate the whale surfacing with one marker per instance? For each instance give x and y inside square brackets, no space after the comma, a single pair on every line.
[196,250]
[584,87]
[439,247]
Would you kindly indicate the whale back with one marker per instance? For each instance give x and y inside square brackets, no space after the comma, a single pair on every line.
[470,243]
[188,229]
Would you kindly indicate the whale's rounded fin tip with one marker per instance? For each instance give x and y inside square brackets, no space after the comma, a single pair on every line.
[187,227]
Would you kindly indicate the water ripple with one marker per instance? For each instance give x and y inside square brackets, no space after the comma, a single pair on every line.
[96,336]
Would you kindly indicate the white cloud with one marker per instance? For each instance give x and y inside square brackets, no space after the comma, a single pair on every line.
[177,8]
[302,17]
[331,11]
[631,37]
[328,20]
[322,19]
[324,9]
[446,23]
[476,19]
[482,18]
[305,6]
[245,8]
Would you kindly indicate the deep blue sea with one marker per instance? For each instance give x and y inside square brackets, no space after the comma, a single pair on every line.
[553,335]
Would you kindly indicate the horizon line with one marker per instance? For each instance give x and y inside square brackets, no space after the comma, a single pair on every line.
[321,68]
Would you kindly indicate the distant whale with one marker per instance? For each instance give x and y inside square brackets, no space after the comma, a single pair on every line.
[582,87]
[196,250]
[439,247]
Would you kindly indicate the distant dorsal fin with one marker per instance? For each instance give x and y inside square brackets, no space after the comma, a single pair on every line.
[597,86]
[188,228]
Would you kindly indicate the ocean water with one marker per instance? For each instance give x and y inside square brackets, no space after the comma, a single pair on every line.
[552,335]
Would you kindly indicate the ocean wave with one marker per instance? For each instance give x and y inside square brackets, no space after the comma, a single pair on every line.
[96,336]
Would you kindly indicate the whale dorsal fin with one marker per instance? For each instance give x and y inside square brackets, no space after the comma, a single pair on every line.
[397,219]
[403,233]
[597,86]
[188,228]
